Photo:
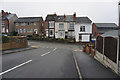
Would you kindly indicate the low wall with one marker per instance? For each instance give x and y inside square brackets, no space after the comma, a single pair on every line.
[106,61]
[15,42]
[13,45]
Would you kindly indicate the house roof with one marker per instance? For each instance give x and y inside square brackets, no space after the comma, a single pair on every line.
[50,17]
[83,20]
[104,27]
[112,33]
[28,19]
[60,19]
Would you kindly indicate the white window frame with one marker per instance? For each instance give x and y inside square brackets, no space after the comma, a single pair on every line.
[61,27]
[36,31]
[51,24]
[23,24]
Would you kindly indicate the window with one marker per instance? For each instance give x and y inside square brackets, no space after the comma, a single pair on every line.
[35,31]
[22,24]
[22,31]
[61,33]
[80,36]
[71,26]
[35,23]
[3,23]
[3,29]
[71,33]
[16,24]
[61,25]
[28,23]
[51,24]
[82,28]
[7,29]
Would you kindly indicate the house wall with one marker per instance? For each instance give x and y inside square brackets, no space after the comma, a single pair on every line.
[57,29]
[11,23]
[46,27]
[31,26]
[86,34]
[95,30]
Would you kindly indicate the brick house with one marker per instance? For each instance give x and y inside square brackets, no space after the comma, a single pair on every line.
[101,28]
[27,26]
[7,22]
[64,26]
[49,25]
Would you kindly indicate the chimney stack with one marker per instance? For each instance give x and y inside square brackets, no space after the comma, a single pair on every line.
[55,15]
[64,16]
[74,15]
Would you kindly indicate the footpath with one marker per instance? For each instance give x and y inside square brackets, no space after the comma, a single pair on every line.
[90,68]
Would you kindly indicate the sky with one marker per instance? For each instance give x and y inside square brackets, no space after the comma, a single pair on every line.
[99,11]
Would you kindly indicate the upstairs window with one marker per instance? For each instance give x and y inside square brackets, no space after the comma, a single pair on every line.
[3,23]
[61,25]
[16,24]
[71,26]
[82,28]
[22,24]
[51,24]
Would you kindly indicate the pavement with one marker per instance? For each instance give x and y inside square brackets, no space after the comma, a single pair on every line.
[19,50]
[53,61]
[91,68]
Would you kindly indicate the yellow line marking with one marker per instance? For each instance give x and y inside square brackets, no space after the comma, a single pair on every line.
[80,76]
[77,50]
[35,46]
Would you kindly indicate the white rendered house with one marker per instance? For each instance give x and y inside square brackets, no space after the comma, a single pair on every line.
[83,29]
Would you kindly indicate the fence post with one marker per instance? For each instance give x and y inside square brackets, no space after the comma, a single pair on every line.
[103,47]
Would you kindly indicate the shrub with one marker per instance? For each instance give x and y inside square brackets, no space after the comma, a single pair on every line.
[5,39]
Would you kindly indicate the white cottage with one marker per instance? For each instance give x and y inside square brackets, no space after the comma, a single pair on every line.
[83,29]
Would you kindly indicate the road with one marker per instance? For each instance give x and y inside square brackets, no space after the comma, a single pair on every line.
[50,60]
[53,61]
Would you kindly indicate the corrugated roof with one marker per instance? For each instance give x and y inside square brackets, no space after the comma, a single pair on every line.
[112,33]
[28,19]
[83,20]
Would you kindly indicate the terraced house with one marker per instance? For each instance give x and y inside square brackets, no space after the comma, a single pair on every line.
[64,26]
[49,25]
[27,26]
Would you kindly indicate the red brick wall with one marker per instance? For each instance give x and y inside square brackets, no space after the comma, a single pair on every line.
[46,25]
[94,29]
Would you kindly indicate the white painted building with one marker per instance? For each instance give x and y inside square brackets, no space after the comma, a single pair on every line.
[83,29]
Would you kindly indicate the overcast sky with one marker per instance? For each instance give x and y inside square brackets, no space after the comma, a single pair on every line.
[97,10]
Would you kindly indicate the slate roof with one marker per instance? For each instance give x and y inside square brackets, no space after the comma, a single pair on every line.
[112,33]
[83,20]
[68,18]
[28,19]
[104,27]
[50,17]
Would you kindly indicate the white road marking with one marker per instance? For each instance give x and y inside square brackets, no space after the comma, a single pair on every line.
[15,67]
[54,49]
[45,53]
